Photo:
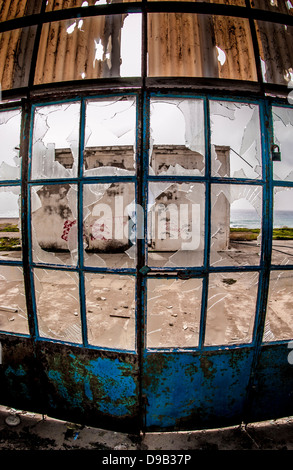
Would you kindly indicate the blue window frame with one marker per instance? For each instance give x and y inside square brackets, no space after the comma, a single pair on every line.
[202,186]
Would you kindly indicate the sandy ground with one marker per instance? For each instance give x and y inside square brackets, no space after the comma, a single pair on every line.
[38,432]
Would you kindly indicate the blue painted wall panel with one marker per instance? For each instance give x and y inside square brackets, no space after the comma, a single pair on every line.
[272,392]
[188,390]
[93,386]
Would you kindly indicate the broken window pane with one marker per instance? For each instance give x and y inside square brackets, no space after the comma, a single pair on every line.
[240,3]
[10,223]
[63,4]
[236,140]
[276,54]
[89,48]
[190,45]
[173,312]
[176,224]
[131,39]
[177,144]
[16,50]
[55,141]
[57,301]
[283,137]
[278,6]
[53,5]
[110,310]
[231,308]
[234,48]
[10,160]
[54,223]
[278,324]
[236,221]
[13,313]
[110,137]
[282,250]
[109,223]
[11,9]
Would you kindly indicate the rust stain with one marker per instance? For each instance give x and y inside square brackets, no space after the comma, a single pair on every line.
[207,367]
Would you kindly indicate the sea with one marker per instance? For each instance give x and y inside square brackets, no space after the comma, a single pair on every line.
[250,219]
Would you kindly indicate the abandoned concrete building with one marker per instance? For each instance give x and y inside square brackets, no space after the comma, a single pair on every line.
[146,183]
[100,234]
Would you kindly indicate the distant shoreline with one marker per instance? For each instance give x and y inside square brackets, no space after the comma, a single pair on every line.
[250,234]
[8,218]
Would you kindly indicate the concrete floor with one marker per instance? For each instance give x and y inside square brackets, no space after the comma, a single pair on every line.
[36,432]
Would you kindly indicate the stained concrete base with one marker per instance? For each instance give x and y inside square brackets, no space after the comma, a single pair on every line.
[36,432]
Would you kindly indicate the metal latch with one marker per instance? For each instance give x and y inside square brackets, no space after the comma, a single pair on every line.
[276,154]
[144,270]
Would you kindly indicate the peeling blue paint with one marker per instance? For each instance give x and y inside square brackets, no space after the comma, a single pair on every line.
[119,387]
[17,379]
[87,389]
[104,384]
[75,400]
[19,372]
[214,393]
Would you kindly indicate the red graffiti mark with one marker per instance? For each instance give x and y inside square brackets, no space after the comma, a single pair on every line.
[100,231]
[98,235]
[66,229]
